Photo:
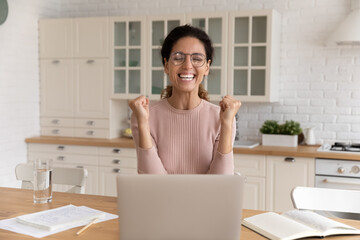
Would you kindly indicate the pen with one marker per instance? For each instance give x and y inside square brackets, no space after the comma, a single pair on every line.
[87,226]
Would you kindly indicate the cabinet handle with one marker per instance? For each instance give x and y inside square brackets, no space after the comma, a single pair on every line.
[116,170]
[90,133]
[55,121]
[61,158]
[80,166]
[61,148]
[91,123]
[55,131]
[116,150]
[55,61]
[116,161]
[90,61]
[289,159]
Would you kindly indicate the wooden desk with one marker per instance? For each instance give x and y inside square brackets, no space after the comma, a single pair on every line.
[15,202]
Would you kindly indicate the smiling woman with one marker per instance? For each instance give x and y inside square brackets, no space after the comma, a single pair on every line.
[4,9]
[184,133]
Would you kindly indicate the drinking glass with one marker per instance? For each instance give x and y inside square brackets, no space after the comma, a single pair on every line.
[42,180]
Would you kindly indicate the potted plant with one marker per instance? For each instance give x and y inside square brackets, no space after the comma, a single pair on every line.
[285,135]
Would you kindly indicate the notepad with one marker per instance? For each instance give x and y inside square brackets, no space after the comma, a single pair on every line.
[61,217]
[296,224]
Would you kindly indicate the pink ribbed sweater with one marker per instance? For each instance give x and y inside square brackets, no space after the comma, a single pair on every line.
[184,141]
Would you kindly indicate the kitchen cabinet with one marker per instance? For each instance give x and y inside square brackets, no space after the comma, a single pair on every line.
[75,87]
[103,163]
[282,175]
[128,56]
[158,27]
[215,25]
[69,156]
[253,168]
[114,161]
[253,64]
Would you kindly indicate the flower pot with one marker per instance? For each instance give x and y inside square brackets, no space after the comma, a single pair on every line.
[279,140]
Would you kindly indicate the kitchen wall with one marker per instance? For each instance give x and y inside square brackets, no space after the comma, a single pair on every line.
[319,86]
[19,81]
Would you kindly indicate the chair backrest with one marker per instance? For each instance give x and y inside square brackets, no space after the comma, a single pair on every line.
[76,177]
[326,199]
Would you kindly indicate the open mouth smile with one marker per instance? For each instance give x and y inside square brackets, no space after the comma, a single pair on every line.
[186,77]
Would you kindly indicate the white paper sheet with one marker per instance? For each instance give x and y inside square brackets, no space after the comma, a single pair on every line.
[14,226]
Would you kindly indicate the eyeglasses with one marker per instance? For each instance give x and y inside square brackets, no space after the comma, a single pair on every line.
[197,59]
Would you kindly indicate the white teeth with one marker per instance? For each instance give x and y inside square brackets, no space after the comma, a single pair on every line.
[187,77]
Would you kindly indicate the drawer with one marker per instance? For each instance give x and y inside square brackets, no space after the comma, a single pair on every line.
[57,131]
[59,159]
[92,133]
[91,123]
[62,149]
[108,151]
[250,165]
[118,162]
[56,122]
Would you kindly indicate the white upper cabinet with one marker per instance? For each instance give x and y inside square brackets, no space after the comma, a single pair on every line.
[128,56]
[158,27]
[80,38]
[246,54]
[91,37]
[253,52]
[56,38]
[215,25]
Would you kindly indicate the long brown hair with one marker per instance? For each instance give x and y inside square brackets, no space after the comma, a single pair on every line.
[167,92]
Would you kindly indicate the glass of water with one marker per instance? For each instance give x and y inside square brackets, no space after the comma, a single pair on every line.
[42,180]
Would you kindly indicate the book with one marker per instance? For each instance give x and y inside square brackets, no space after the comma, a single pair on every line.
[61,217]
[296,224]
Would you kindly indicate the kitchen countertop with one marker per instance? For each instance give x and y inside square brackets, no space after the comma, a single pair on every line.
[300,151]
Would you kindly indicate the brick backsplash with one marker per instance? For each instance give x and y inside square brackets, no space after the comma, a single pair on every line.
[319,85]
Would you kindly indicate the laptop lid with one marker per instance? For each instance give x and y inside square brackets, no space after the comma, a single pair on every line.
[183,207]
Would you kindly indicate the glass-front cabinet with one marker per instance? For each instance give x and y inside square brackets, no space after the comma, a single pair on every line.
[215,25]
[128,40]
[158,28]
[254,55]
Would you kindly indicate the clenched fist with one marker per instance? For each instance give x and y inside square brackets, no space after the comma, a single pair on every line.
[229,107]
[140,107]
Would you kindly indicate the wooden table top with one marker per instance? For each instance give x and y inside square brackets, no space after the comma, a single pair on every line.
[15,202]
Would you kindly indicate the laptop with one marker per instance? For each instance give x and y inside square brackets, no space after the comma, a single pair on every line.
[180,207]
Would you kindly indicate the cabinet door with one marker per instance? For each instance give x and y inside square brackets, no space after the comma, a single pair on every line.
[56,39]
[158,28]
[57,90]
[128,57]
[216,27]
[252,167]
[283,174]
[254,55]
[107,181]
[91,37]
[92,91]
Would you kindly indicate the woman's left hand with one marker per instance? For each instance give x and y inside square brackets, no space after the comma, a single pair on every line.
[229,107]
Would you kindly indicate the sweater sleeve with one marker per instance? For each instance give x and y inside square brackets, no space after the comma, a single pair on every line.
[148,160]
[223,163]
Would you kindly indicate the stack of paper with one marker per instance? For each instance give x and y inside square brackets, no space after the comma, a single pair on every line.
[60,217]
[44,223]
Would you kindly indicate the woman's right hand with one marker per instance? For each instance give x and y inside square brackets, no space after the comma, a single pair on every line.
[140,107]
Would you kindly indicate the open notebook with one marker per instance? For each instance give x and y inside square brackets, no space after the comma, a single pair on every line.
[296,224]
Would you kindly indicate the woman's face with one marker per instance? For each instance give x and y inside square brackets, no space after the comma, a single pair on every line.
[185,77]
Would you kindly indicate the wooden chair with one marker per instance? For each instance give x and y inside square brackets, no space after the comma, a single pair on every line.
[329,202]
[74,177]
